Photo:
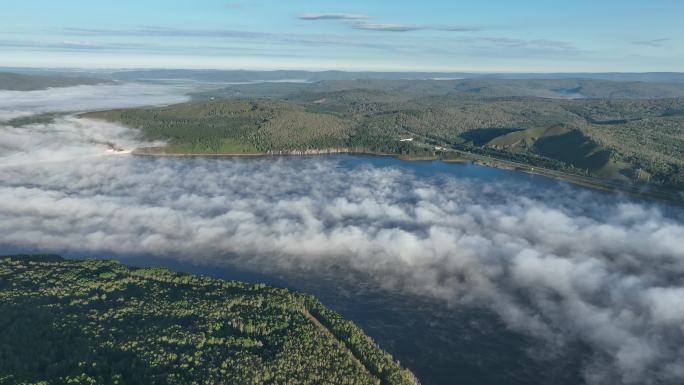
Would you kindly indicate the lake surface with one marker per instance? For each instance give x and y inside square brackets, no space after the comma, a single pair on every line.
[441,341]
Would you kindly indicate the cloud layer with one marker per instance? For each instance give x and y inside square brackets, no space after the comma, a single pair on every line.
[386,27]
[14,104]
[67,139]
[558,263]
[357,21]
[332,16]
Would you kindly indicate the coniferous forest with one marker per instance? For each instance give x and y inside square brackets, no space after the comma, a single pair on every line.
[100,322]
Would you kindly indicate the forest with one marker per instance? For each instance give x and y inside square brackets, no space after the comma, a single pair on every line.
[100,322]
[630,141]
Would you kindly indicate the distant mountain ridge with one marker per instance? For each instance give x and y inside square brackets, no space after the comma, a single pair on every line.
[22,82]
[246,75]
[251,75]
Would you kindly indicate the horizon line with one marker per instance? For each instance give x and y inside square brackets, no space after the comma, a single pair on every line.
[513,72]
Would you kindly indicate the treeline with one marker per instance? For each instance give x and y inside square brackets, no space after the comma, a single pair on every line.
[99,322]
[379,362]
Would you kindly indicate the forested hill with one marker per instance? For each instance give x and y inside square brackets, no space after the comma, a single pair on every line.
[100,322]
[630,143]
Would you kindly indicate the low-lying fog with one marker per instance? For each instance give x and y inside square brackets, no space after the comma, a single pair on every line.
[15,104]
[559,263]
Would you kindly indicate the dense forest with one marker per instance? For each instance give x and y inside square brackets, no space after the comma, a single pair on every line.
[630,141]
[100,322]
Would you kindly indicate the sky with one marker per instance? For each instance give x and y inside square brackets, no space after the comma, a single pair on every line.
[426,35]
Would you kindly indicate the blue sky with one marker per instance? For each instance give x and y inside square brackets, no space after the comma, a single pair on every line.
[427,35]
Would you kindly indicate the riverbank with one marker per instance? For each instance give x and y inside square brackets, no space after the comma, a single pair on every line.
[642,191]
[154,151]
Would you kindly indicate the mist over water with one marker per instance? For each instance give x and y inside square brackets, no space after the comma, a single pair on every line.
[15,104]
[557,264]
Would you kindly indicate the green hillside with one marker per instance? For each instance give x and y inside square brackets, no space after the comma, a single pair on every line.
[570,146]
[100,322]
[239,127]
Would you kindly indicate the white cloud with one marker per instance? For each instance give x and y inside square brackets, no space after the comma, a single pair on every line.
[655,43]
[332,16]
[386,27]
[15,104]
[67,139]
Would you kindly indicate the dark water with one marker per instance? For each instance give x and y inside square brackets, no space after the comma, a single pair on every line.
[441,345]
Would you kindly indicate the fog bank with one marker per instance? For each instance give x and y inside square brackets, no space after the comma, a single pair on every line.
[15,104]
